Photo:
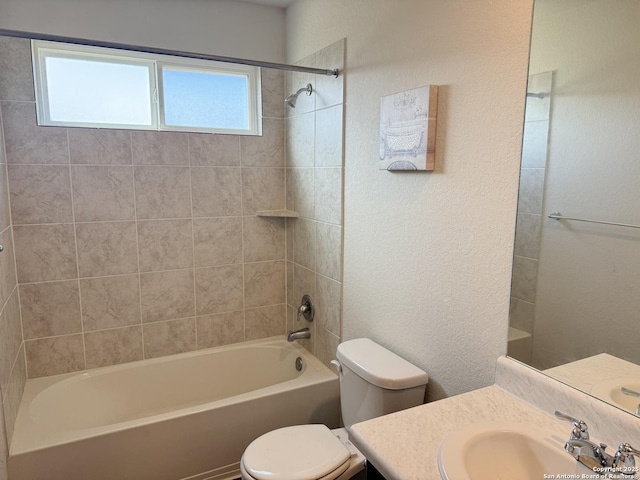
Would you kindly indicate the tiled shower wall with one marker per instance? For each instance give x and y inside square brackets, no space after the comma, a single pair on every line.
[12,360]
[530,203]
[133,244]
[314,191]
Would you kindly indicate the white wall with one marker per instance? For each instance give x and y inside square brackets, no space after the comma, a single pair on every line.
[588,292]
[218,27]
[427,260]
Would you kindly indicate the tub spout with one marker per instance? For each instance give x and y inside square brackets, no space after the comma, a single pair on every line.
[299,334]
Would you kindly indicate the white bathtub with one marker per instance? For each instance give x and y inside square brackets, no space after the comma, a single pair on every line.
[188,416]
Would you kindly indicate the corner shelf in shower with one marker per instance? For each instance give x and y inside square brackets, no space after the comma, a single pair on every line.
[278,213]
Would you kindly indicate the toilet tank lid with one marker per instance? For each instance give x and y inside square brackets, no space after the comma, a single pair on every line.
[379,366]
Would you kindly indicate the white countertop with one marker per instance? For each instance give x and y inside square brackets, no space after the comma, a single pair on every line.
[404,445]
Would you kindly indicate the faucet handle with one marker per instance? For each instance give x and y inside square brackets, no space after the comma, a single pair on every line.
[625,456]
[580,429]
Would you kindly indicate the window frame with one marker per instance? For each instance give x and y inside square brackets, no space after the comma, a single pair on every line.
[154,62]
[254,100]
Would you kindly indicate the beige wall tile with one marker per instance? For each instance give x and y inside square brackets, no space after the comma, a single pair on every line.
[218,289]
[50,309]
[51,356]
[107,248]
[167,295]
[301,184]
[301,140]
[110,347]
[262,189]
[7,266]
[13,395]
[521,315]
[206,150]
[272,93]
[102,193]
[165,245]
[90,146]
[16,77]
[290,299]
[267,150]
[523,281]
[168,338]
[304,243]
[217,241]
[5,207]
[531,190]
[162,192]
[25,142]
[40,194]
[534,144]
[304,282]
[264,283]
[216,191]
[328,184]
[110,302]
[263,239]
[45,252]
[329,90]
[160,148]
[220,329]
[10,337]
[527,243]
[265,322]
[329,250]
[289,227]
[326,346]
[328,142]
[328,304]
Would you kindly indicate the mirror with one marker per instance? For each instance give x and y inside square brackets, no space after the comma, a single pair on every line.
[575,296]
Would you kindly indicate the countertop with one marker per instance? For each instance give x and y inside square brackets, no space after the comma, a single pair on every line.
[404,445]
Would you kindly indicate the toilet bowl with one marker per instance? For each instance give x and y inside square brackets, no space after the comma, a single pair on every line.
[373,382]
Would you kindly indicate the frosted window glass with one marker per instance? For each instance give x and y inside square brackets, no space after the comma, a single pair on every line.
[205,100]
[87,91]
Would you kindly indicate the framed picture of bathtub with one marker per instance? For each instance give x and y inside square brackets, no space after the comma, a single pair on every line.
[408,129]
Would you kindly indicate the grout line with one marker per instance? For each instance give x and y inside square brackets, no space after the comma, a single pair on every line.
[135,214]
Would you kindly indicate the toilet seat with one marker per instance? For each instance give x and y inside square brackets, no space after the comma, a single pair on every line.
[302,452]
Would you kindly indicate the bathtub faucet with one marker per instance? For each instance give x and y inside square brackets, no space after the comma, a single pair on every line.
[298,334]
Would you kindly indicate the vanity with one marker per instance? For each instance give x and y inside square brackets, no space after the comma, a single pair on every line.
[405,445]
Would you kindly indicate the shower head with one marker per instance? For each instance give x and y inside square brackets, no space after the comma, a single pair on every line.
[291,99]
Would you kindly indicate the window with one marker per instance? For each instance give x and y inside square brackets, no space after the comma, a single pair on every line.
[80,86]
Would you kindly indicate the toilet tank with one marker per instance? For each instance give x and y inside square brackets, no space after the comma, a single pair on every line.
[375,381]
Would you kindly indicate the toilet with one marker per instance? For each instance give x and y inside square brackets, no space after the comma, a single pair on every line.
[373,382]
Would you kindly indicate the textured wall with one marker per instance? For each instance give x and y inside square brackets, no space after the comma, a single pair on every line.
[427,257]
[133,244]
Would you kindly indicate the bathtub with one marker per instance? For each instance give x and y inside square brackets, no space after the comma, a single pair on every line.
[187,416]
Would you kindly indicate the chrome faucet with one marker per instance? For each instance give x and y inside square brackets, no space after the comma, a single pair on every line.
[298,334]
[594,456]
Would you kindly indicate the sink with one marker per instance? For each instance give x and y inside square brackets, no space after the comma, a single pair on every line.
[609,391]
[505,451]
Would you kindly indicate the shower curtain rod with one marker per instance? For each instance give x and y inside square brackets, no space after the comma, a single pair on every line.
[163,51]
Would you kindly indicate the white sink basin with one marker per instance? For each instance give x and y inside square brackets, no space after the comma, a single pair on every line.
[609,391]
[505,451]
